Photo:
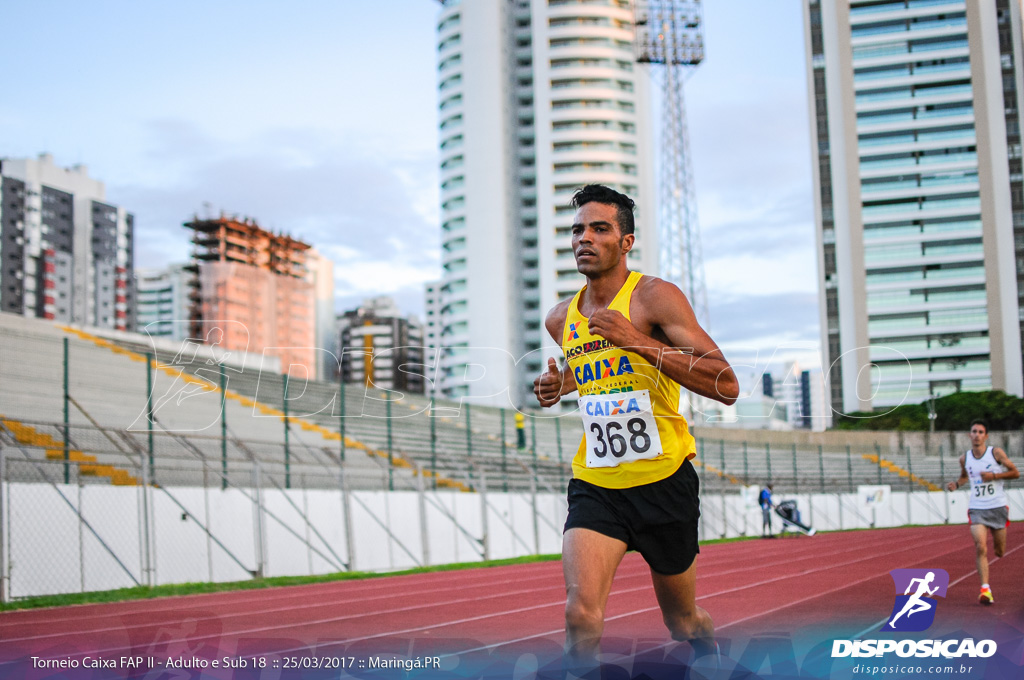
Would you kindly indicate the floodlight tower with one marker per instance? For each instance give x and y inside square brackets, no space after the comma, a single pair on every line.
[669,33]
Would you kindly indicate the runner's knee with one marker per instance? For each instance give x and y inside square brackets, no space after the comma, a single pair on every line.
[581,618]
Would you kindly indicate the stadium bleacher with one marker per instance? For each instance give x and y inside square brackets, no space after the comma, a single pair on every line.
[390,440]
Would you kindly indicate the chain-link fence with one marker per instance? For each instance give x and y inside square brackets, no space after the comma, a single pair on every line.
[68,526]
[123,466]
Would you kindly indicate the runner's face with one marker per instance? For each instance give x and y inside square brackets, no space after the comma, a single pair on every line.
[978,435]
[597,242]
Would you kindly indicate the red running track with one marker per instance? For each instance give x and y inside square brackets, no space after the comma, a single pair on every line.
[829,585]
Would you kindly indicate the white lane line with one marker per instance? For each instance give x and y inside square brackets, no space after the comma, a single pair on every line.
[78,630]
[362,614]
[637,569]
[263,629]
[709,595]
[21,618]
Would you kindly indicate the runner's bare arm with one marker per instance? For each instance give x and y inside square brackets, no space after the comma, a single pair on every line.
[552,384]
[1004,460]
[692,358]
[953,486]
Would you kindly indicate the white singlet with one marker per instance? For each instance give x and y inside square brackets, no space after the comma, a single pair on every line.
[984,495]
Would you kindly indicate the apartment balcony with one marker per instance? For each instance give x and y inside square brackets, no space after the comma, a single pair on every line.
[904,216]
[962,187]
[963,140]
[871,105]
[928,306]
[879,336]
[897,168]
[927,376]
[886,354]
[927,78]
[906,239]
[866,16]
[914,124]
[951,31]
[904,57]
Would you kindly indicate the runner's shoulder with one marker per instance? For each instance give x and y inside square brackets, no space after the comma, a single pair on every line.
[554,322]
[657,301]
[651,289]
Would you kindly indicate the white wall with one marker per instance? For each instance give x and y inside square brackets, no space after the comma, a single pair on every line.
[48,550]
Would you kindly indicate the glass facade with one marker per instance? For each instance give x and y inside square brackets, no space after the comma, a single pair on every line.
[919,177]
[919,173]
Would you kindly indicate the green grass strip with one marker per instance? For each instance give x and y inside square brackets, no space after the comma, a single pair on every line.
[175,590]
[144,593]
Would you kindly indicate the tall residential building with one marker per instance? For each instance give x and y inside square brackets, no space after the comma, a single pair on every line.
[65,252]
[381,347]
[252,292]
[919,202]
[536,99]
[163,301]
[432,335]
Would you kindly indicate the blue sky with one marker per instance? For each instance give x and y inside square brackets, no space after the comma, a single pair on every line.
[319,118]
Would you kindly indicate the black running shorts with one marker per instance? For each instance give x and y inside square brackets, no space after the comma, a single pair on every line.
[658,520]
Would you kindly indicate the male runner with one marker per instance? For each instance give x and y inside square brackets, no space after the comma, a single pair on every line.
[630,341]
[986,467]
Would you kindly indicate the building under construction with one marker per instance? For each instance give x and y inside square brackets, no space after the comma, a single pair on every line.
[251,291]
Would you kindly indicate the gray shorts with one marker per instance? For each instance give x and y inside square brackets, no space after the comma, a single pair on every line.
[993,518]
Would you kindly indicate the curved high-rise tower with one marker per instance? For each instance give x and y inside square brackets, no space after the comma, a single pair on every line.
[536,98]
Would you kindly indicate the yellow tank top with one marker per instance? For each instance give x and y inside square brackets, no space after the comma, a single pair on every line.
[633,433]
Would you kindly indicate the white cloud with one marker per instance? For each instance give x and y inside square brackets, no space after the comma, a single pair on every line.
[749,275]
[380,277]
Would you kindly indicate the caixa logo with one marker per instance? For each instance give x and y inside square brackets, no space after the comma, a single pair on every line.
[602,368]
[914,611]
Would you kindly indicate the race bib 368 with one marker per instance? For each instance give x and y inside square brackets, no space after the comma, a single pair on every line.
[620,428]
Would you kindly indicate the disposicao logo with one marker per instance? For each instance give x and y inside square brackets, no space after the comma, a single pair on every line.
[914,610]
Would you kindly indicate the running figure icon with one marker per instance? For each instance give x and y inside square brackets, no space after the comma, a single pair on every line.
[916,604]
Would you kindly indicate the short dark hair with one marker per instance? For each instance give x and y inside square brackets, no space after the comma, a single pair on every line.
[598,193]
[979,421]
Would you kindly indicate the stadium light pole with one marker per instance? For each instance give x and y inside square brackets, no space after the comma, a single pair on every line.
[669,35]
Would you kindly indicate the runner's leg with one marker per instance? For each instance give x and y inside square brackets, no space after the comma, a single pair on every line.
[589,561]
[999,539]
[979,532]
[685,620]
